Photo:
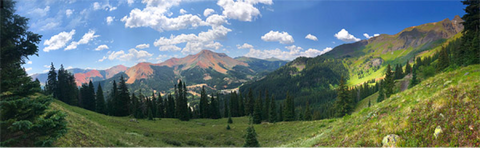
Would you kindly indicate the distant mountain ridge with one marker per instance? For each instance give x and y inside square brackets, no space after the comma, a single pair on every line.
[85,75]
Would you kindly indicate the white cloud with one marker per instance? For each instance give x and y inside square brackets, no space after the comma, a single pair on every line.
[132,55]
[183,11]
[101,47]
[368,36]
[130,2]
[142,46]
[96,6]
[102,59]
[153,16]
[89,36]
[293,53]
[39,11]
[169,48]
[274,36]
[58,41]
[69,67]
[216,20]
[68,12]
[109,20]
[46,66]
[345,36]
[29,62]
[28,69]
[161,57]
[208,11]
[245,46]
[241,10]
[311,37]
[194,43]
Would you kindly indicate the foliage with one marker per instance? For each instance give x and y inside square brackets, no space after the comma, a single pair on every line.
[251,138]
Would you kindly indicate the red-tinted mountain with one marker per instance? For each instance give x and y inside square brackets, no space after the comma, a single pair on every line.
[85,75]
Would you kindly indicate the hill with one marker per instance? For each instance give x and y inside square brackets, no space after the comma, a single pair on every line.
[449,100]
[85,75]
[90,129]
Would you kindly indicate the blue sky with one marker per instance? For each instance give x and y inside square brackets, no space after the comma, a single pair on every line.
[102,34]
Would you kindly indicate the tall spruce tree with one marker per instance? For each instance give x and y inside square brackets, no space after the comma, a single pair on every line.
[225,108]
[100,105]
[170,112]
[469,52]
[112,100]
[181,103]
[408,68]
[389,82]
[241,106]
[234,104]
[443,61]
[249,105]
[123,100]
[26,120]
[154,105]
[90,105]
[342,104]
[204,104]
[266,107]
[160,107]
[308,113]
[273,111]
[51,84]
[289,108]
[257,111]
[61,84]
[381,94]
[414,81]
[280,112]
[72,90]
[214,109]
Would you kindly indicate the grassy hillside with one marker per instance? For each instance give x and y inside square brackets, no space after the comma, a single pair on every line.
[91,129]
[450,100]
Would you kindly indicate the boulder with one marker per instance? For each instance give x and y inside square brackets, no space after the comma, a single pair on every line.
[391,140]
[134,120]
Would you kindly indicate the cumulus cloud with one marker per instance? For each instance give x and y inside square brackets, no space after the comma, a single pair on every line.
[245,46]
[130,2]
[161,58]
[39,11]
[273,36]
[208,11]
[102,59]
[153,16]
[109,20]
[107,6]
[68,12]
[368,36]
[216,20]
[101,47]
[96,6]
[241,10]
[311,37]
[89,36]
[194,43]
[28,69]
[345,36]
[29,62]
[294,51]
[142,46]
[132,55]
[58,41]
[183,11]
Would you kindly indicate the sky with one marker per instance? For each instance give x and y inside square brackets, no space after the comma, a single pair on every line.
[100,34]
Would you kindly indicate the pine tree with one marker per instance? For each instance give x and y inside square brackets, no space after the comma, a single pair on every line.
[72,90]
[234,104]
[469,51]
[280,112]
[381,94]
[249,105]
[123,100]
[414,80]
[61,84]
[203,104]
[251,138]
[266,107]
[273,111]
[230,121]
[181,108]
[51,84]
[150,115]
[408,68]
[241,106]
[214,110]
[136,106]
[225,108]
[160,107]
[90,103]
[257,112]
[389,82]
[308,113]
[342,103]
[171,107]
[443,61]
[100,108]
[112,100]
[369,103]
[228,127]
[289,108]
[26,119]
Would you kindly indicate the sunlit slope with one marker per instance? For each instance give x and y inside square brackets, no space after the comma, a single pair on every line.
[450,100]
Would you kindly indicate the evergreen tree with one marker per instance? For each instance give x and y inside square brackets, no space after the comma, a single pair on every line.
[414,80]
[100,108]
[204,104]
[266,107]
[308,113]
[228,127]
[369,103]
[214,110]
[112,101]
[381,94]
[251,138]
[136,106]
[389,82]
[273,111]
[408,68]
[443,61]
[171,107]
[160,107]
[51,84]
[230,121]
[280,112]
[90,99]
[241,106]
[249,105]
[181,111]
[61,84]
[469,52]
[123,100]
[225,108]
[154,105]
[342,104]
[26,119]
[257,112]
[72,90]
[150,115]
[289,108]
[234,104]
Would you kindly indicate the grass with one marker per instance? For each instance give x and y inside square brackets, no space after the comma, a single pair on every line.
[90,129]
[450,100]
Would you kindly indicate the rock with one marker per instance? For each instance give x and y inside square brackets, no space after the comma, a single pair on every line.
[391,140]
[134,120]
[466,73]
[437,132]
[202,124]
